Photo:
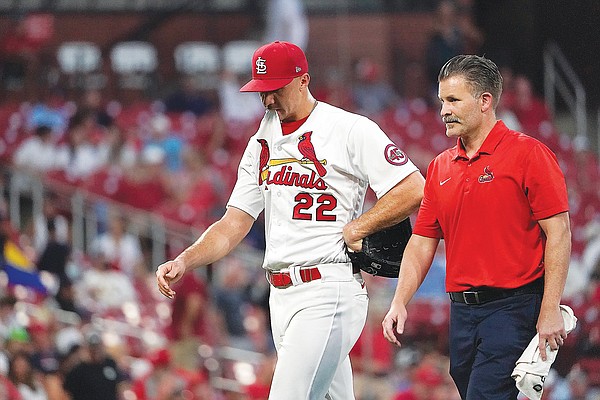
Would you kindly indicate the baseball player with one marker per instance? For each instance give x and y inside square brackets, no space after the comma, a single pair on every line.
[308,167]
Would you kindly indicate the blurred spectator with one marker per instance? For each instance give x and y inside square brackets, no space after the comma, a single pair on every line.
[237,107]
[473,35]
[161,383]
[8,316]
[96,376]
[508,117]
[335,89]
[94,104]
[163,138]
[26,379]
[144,186]
[286,20]
[55,256]
[68,342]
[44,357]
[231,298]
[78,157]
[195,192]
[452,33]
[166,381]
[259,390]
[37,154]
[372,359]
[49,226]
[189,97]
[8,390]
[575,386]
[18,52]
[589,264]
[371,93]
[18,341]
[505,108]
[530,109]
[66,299]
[103,288]
[121,249]
[51,111]
[446,40]
[192,321]
[426,382]
[116,149]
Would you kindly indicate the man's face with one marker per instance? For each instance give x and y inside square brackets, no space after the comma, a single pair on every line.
[284,101]
[460,110]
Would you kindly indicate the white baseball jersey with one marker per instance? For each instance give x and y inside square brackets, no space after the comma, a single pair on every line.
[313,181]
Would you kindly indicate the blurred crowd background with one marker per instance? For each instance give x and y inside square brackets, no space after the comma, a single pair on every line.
[121,127]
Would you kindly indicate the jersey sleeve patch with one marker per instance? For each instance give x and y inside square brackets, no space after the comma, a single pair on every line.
[394,155]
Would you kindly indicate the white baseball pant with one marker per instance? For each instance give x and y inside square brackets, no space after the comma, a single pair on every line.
[315,325]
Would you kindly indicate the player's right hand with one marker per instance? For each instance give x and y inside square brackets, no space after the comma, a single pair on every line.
[393,323]
[168,273]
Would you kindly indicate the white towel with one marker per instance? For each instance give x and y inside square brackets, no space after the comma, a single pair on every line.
[531,371]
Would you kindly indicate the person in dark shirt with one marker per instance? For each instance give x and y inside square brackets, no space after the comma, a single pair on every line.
[189,98]
[97,376]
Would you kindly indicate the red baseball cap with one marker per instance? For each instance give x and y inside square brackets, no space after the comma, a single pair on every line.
[274,65]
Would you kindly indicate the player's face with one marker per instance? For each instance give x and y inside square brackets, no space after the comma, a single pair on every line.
[285,101]
[461,111]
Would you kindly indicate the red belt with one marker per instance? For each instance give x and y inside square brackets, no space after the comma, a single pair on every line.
[282,279]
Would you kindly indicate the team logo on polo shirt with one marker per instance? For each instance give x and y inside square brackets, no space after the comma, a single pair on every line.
[394,155]
[487,176]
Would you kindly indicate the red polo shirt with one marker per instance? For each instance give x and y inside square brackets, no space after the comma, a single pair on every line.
[486,209]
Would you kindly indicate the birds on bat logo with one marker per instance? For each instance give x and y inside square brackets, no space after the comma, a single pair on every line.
[307,150]
[286,175]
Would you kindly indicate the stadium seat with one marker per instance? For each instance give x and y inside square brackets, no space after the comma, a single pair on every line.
[201,60]
[76,57]
[197,57]
[134,62]
[81,63]
[237,55]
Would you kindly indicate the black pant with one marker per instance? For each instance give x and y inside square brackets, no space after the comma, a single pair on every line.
[486,341]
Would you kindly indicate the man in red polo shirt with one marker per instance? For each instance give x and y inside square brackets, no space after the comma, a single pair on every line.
[499,201]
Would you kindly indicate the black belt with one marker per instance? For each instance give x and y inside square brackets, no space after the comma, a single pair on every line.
[485,295]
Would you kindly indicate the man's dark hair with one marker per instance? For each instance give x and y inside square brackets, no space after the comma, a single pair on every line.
[481,74]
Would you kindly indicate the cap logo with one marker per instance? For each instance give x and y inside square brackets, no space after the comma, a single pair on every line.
[298,69]
[261,67]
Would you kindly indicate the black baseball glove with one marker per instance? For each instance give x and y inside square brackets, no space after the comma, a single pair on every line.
[382,251]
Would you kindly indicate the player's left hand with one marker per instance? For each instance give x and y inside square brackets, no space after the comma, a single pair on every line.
[551,330]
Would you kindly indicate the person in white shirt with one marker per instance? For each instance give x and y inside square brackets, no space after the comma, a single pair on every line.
[78,157]
[37,153]
[121,248]
[103,288]
[286,20]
